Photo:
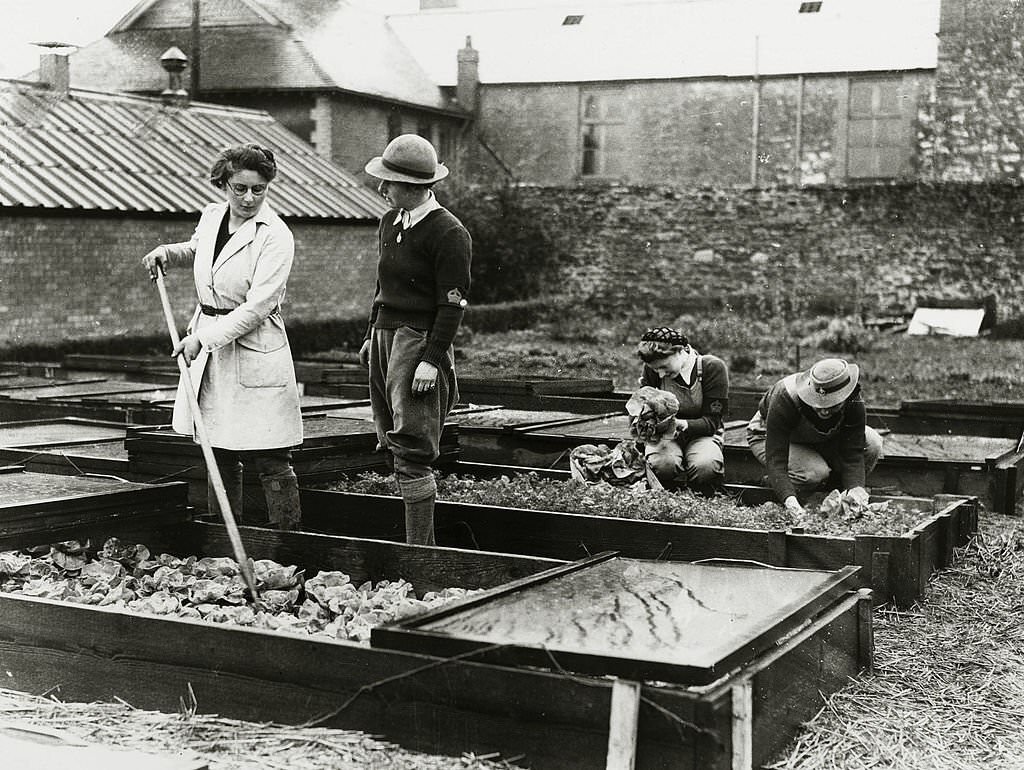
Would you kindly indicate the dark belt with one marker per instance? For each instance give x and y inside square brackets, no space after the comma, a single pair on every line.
[211,310]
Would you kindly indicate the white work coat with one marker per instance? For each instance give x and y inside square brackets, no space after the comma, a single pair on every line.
[244,374]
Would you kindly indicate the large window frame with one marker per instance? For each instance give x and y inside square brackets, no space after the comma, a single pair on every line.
[602,119]
[878,141]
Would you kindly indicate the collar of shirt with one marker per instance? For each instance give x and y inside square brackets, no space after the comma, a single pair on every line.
[685,376]
[412,217]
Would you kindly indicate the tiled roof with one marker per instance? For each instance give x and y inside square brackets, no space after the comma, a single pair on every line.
[675,39]
[116,152]
[287,45]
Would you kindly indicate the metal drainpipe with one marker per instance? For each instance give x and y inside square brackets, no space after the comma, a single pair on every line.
[755,130]
[798,148]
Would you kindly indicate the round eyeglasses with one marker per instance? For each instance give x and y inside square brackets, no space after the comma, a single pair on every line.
[241,189]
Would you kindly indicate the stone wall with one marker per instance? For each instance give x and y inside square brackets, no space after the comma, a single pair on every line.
[873,248]
[688,132]
[65,278]
[973,130]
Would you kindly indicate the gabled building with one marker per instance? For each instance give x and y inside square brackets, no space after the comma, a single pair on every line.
[92,180]
[334,74]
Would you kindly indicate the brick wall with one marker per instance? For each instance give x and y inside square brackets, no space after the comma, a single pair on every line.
[79,277]
[878,247]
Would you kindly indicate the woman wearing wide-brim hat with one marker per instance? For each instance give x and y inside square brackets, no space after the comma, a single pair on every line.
[423,277]
[811,428]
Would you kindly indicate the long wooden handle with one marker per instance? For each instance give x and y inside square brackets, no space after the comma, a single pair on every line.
[212,469]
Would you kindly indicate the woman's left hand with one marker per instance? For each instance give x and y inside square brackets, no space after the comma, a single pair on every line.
[189,347]
[424,379]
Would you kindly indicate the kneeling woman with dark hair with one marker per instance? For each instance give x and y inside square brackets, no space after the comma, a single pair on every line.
[240,361]
[694,456]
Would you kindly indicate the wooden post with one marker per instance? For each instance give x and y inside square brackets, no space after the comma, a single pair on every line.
[743,725]
[622,725]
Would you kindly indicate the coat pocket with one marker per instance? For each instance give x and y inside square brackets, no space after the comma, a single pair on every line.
[257,368]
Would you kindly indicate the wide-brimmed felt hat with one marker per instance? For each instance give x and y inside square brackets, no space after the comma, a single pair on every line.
[828,383]
[408,158]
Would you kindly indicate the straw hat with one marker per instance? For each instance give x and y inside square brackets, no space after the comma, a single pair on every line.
[828,383]
[408,158]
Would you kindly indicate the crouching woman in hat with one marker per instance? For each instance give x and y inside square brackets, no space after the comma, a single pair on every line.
[423,276]
[812,426]
[240,361]
[693,456]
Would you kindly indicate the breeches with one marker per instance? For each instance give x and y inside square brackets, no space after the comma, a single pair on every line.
[811,464]
[408,425]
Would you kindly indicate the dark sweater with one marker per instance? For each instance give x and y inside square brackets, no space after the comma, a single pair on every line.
[714,385]
[423,279]
[843,432]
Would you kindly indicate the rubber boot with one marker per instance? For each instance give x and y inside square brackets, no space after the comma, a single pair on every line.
[419,495]
[282,493]
[231,475]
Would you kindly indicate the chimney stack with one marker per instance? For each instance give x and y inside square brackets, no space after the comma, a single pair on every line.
[468,79]
[54,69]
[174,62]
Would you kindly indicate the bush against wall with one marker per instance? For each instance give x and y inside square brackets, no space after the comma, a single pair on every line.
[517,249]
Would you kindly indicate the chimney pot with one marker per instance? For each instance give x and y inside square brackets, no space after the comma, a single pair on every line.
[174,62]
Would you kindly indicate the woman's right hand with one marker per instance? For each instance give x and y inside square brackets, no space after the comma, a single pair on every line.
[156,259]
[793,505]
[364,354]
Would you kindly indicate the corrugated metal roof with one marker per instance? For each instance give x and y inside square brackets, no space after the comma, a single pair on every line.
[116,152]
[675,39]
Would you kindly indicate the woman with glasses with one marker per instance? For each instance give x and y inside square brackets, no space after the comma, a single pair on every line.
[240,361]
[811,429]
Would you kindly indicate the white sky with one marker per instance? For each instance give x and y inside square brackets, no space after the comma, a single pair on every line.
[82,21]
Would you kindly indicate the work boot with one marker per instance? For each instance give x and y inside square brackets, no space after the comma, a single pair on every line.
[419,496]
[231,475]
[282,493]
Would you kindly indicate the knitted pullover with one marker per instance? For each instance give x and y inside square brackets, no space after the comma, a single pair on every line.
[423,279]
[788,419]
[714,385]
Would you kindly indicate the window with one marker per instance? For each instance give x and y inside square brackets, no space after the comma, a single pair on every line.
[602,133]
[569,21]
[878,134]
[810,7]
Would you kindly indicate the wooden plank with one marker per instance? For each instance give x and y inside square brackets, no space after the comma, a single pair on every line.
[542,533]
[819,660]
[742,725]
[625,709]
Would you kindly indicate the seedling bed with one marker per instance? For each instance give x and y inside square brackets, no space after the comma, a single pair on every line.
[65,431]
[990,469]
[33,503]
[425,702]
[895,568]
[101,457]
[331,447]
